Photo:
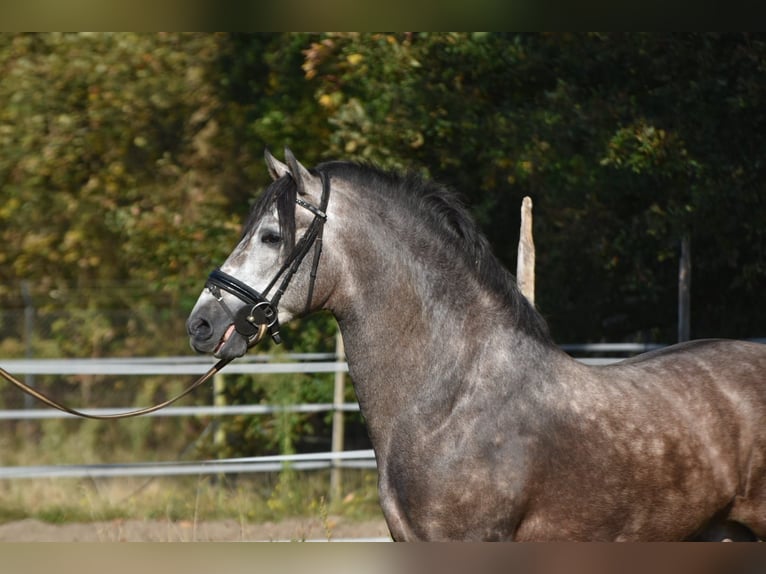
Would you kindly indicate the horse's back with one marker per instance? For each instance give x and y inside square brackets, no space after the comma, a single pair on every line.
[721,375]
[724,361]
[704,347]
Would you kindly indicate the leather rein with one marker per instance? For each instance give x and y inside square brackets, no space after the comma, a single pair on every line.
[143,411]
[253,321]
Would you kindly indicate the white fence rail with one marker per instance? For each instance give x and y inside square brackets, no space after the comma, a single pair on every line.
[312,461]
[180,366]
[154,366]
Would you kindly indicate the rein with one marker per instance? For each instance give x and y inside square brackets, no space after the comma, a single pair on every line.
[56,405]
[258,316]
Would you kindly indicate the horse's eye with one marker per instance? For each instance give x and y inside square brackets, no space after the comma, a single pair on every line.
[271,238]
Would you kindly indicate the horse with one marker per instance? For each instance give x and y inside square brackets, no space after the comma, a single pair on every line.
[482,427]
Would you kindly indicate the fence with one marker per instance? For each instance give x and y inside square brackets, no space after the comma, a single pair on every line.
[255,364]
[336,459]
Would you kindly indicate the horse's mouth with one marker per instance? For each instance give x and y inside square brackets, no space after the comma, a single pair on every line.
[231,345]
[224,339]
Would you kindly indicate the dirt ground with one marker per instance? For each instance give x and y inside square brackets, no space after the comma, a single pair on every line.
[333,528]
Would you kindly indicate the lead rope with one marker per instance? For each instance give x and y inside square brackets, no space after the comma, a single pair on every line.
[56,405]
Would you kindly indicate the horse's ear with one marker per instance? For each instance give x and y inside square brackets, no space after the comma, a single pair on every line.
[299,173]
[276,168]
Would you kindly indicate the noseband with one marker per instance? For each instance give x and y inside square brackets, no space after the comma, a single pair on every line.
[260,314]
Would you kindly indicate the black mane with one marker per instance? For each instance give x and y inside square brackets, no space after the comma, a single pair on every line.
[446,215]
[437,206]
[283,193]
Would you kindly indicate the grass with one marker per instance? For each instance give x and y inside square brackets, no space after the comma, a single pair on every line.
[248,499]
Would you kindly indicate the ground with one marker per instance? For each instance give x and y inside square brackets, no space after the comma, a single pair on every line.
[333,528]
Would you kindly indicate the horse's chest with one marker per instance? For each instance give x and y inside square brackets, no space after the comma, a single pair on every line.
[449,489]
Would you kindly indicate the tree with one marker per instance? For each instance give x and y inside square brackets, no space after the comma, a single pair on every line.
[129,161]
[153,143]
[625,141]
[107,155]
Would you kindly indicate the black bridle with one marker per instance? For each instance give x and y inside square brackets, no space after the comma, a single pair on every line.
[261,313]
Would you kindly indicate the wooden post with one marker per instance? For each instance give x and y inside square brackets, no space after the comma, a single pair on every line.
[684,289]
[29,329]
[336,471]
[219,400]
[525,261]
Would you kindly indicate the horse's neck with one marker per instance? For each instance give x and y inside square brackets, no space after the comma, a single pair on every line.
[409,366]
[415,340]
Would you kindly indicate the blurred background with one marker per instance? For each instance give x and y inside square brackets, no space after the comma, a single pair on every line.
[128,163]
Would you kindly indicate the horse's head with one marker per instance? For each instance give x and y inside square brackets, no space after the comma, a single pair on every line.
[270,276]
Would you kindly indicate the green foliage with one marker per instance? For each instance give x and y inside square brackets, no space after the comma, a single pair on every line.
[104,139]
[625,142]
[129,161]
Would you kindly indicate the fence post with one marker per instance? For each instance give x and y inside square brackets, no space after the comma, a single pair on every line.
[29,330]
[29,334]
[337,420]
[525,261]
[219,400]
[684,289]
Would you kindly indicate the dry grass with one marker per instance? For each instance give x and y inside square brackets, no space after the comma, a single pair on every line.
[246,498]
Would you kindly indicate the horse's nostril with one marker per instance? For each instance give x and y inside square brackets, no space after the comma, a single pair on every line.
[200,329]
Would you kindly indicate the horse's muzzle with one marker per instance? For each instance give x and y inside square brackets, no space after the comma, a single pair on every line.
[200,330]
[228,344]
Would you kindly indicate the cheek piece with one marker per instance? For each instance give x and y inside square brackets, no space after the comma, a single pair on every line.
[260,314]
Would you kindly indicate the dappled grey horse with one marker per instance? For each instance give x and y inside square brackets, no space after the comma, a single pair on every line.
[482,427]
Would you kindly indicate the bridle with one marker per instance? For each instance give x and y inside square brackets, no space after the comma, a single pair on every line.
[253,321]
[260,314]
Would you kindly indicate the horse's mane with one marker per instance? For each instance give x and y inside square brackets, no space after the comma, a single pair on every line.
[438,208]
[444,213]
[283,193]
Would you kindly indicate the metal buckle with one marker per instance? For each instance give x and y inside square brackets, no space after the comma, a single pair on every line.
[312,208]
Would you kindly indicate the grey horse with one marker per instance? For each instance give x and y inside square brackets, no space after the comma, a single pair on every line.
[483,429]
